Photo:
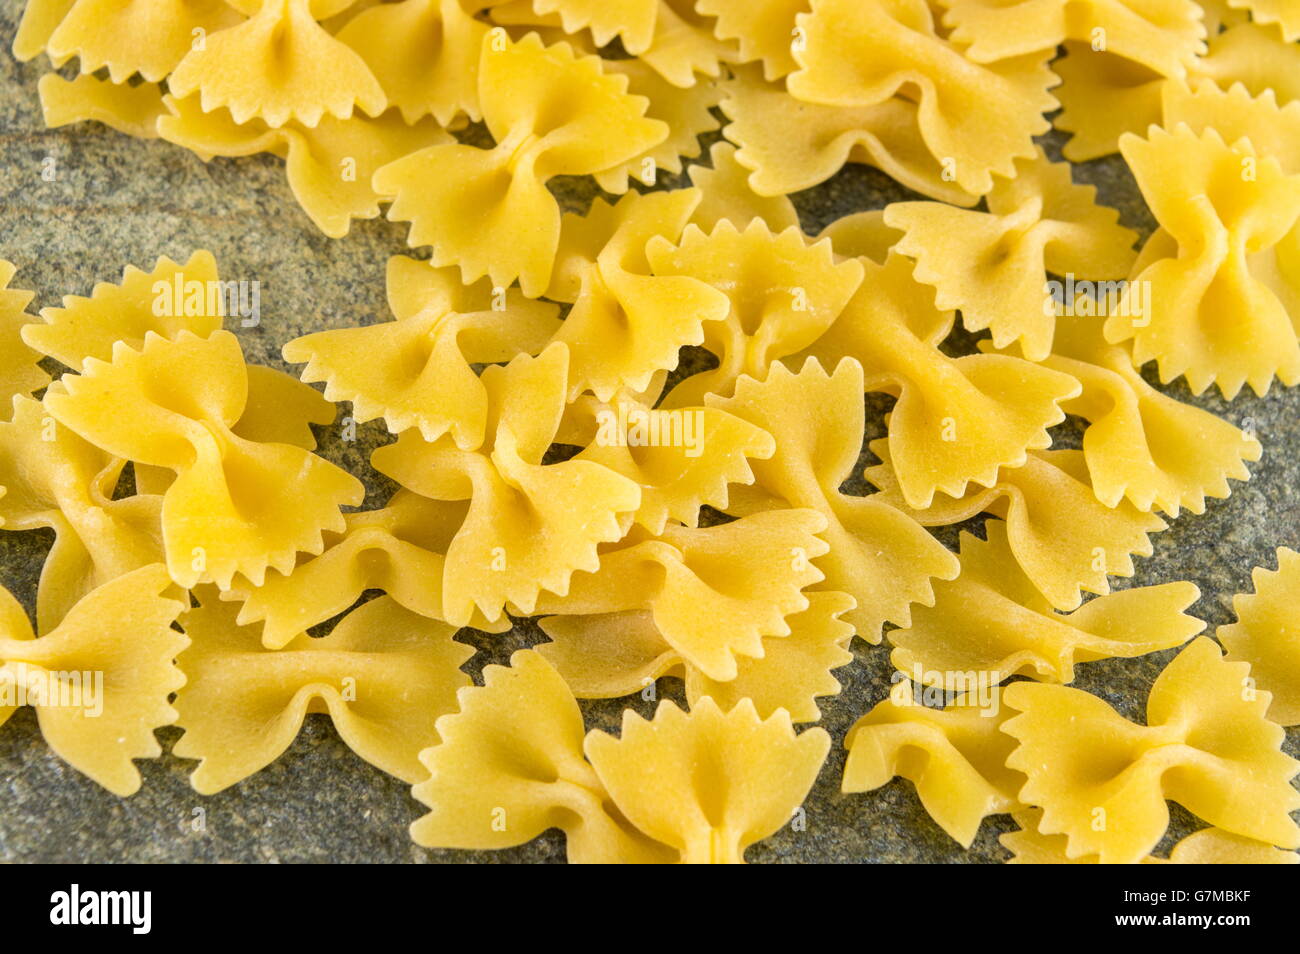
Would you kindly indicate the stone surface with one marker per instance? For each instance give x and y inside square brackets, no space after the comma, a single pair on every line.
[117,200]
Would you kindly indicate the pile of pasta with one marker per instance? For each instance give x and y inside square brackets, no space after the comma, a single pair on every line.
[557,458]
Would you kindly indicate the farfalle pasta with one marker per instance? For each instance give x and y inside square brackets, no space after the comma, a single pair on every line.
[55,479]
[992,622]
[783,292]
[1103,781]
[1215,316]
[957,420]
[641,420]
[1141,445]
[399,549]
[487,210]
[502,774]
[977,117]
[1209,846]
[1266,636]
[384,675]
[878,555]
[629,320]
[993,266]
[1064,538]
[20,370]
[171,404]
[418,371]
[101,679]
[608,655]
[956,756]
[529,526]
[750,573]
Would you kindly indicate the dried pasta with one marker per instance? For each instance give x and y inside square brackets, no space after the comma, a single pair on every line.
[1102,781]
[1267,635]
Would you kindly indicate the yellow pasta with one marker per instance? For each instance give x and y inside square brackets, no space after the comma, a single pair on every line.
[629,320]
[981,117]
[993,265]
[956,757]
[1209,846]
[1102,781]
[993,622]
[171,404]
[100,680]
[20,371]
[605,656]
[551,113]
[529,526]
[1064,538]
[1267,635]
[56,479]
[750,573]
[1214,318]
[878,555]
[509,765]
[384,675]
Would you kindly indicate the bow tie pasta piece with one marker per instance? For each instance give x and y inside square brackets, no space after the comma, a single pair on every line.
[170,299]
[1209,846]
[412,286]
[599,21]
[509,765]
[20,371]
[383,675]
[784,292]
[725,193]
[878,555]
[709,783]
[290,68]
[55,479]
[993,265]
[134,110]
[40,19]
[398,549]
[792,145]
[763,30]
[1223,300]
[1159,34]
[955,756]
[1267,634]
[329,165]
[1141,444]
[992,622]
[280,409]
[683,458]
[977,117]
[957,420]
[1063,537]
[688,112]
[148,37]
[750,573]
[529,526]
[424,53]
[171,404]
[1253,54]
[627,324]
[1207,745]
[488,210]
[610,655]
[1235,114]
[101,679]
[418,371]
[1284,13]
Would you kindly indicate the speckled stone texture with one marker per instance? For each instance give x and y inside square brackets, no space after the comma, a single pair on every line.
[118,201]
